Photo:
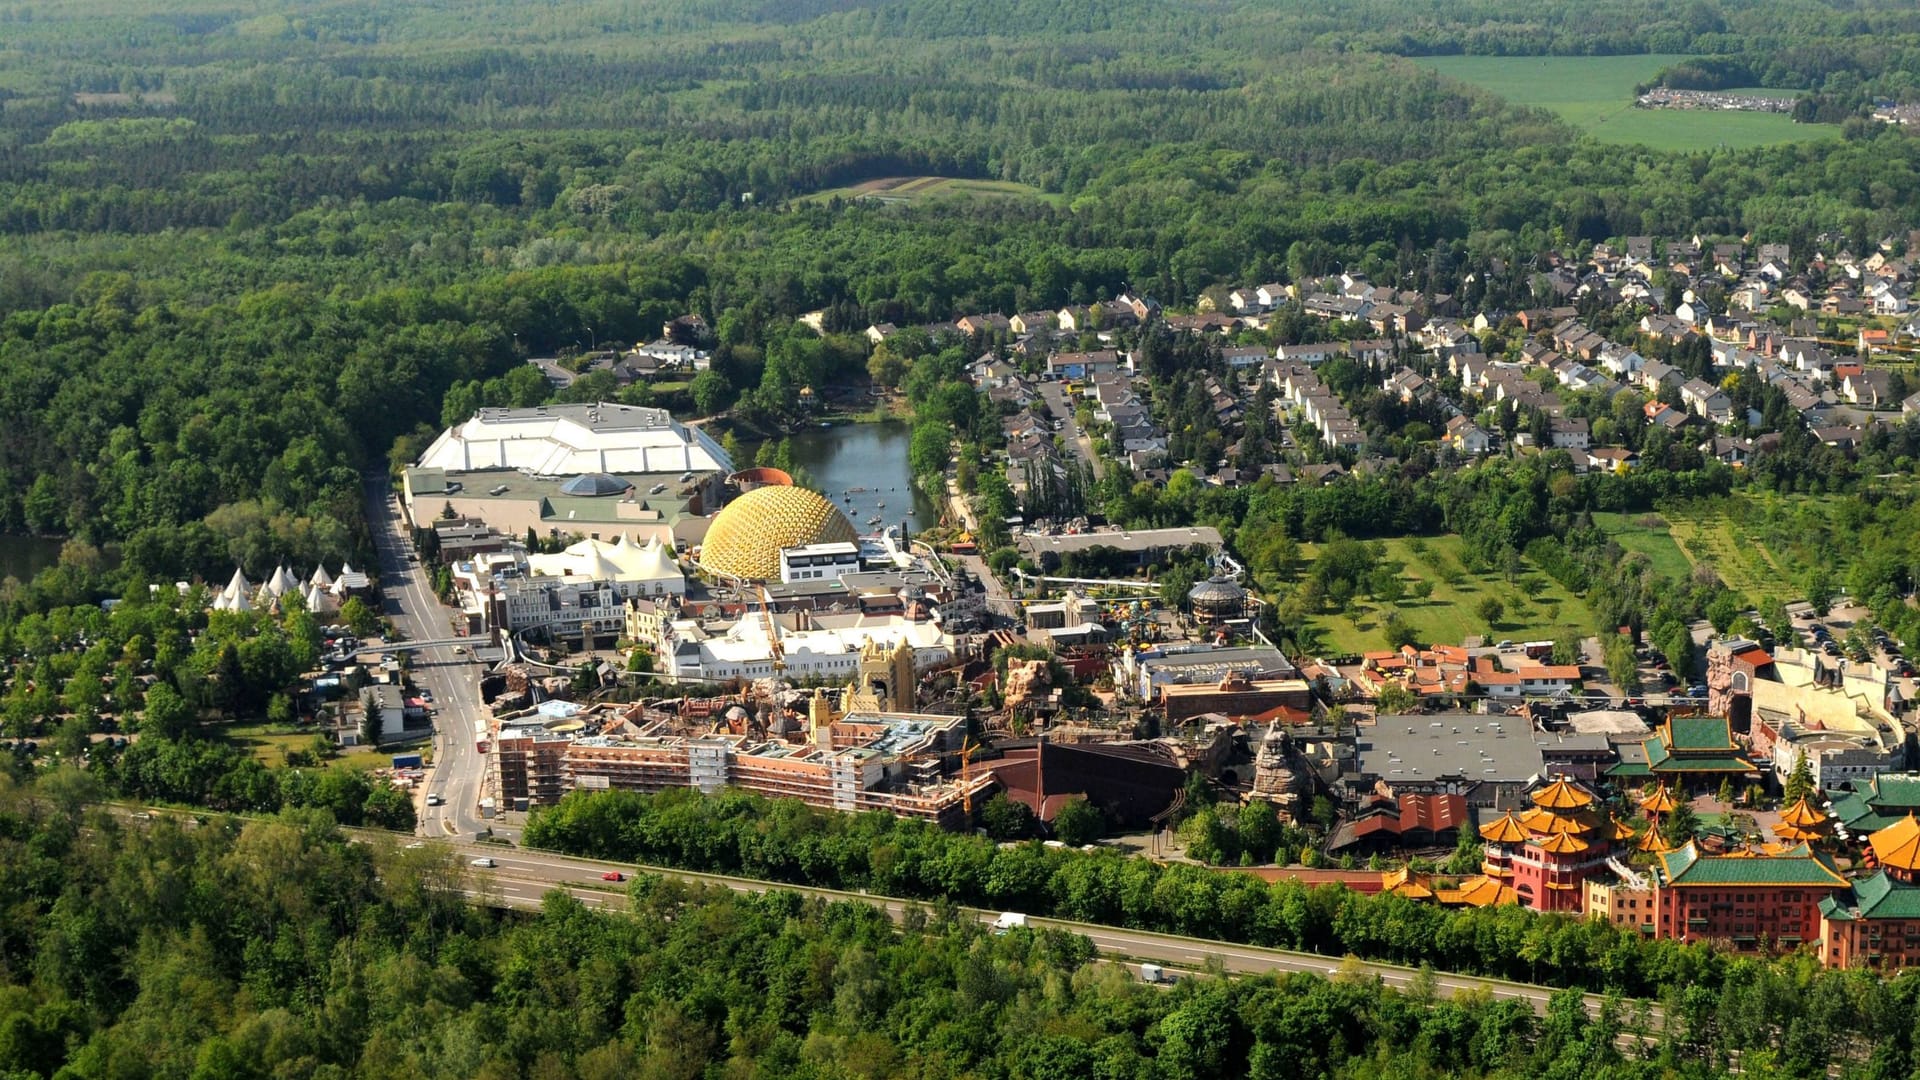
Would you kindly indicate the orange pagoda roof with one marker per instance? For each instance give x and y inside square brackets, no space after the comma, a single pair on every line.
[1577,824]
[1799,834]
[1504,830]
[1652,841]
[1403,882]
[1619,830]
[1658,801]
[1898,845]
[1561,795]
[1535,819]
[1479,892]
[1563,844]
[1803,814]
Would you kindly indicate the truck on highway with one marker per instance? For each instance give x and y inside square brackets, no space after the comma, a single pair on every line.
[1008,920]
[1154,973]
[480,735]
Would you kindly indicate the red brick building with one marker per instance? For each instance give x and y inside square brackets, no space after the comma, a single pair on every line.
[1876,923]
[1747,901]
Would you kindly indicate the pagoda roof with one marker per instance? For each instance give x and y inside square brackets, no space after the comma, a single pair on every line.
[1562,794]
[1799,833]
[1479,892]
[1658,801]
[1504,830]
[1619,830]
[1563,844]
[1802,813]
[1898,845]
[1652,841]
[1578,824]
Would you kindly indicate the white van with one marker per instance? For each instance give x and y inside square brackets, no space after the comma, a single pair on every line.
[483,862]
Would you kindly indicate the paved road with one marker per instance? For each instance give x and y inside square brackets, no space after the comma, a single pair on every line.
[459,769]
[520,878]
[1055,395]
[998,600]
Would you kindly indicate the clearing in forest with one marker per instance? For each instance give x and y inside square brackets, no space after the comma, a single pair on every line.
[1595,94]
[911,189]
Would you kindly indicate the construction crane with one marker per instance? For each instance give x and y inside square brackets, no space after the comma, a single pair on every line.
[774,648]
[965,753]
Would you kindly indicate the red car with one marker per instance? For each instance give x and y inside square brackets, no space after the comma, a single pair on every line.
[613,875]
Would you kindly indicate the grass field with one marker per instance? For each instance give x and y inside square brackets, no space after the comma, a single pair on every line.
[269,744]
[1649,535]
[912,189]
[1595,94]
[1537,607]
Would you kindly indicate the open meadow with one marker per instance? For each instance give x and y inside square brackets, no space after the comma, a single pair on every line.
[1595,94]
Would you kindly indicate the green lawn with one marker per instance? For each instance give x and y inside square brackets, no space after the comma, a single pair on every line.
[1595,94]
[912,189]
[1537,607]
[1650,535]
[269,744]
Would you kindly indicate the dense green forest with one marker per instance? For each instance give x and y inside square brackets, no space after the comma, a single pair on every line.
[242,254]
[276,948]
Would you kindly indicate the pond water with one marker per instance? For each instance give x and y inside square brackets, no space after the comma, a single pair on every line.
[873,457]
[24,556]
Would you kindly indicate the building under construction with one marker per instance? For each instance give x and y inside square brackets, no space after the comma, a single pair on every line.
[900,763]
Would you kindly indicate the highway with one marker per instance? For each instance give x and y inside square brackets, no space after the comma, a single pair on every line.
[520,878]
[459,769]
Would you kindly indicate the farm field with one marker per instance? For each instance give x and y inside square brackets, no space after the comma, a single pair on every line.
[1755,545]
[1649,535]
[1537,607]
[1595,94]
[911,189]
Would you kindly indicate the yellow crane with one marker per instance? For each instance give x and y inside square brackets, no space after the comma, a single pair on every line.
[774,647]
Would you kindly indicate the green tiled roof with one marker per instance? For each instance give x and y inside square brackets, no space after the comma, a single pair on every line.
[1689,755]
[1688,867]
[1728,764]
[1700,733]
[1895,790]
[1877,897]
[1630,768]
[1881,897]
[1877,804]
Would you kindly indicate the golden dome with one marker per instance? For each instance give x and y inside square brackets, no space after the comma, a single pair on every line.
[745,539]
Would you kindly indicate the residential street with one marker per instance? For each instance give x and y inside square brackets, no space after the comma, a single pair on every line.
[1055,395]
